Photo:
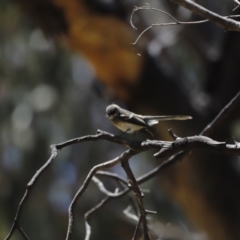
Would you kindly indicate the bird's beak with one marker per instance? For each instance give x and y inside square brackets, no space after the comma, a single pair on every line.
[107,116]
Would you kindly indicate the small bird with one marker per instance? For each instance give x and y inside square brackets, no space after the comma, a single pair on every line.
[130,122]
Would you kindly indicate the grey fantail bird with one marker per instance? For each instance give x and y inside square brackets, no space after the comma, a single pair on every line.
[130,122]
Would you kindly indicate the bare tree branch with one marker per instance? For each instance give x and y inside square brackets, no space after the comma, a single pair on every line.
[177,157]
[137,228]
[126,155]
[129,214]
[28,192]
[139,196]
[24,235]
[102,187]
[179,147]
[54,148]
[238,5]
[222,21]
[91,211]
[176,22]
[222,115]
[102,135]
[168,149]
[112,175]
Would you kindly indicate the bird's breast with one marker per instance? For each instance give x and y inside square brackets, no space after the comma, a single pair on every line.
[126,127]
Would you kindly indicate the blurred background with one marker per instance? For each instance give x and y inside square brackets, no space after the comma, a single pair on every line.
[62,62]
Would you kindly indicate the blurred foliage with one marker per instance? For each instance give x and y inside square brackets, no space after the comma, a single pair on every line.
[48,95]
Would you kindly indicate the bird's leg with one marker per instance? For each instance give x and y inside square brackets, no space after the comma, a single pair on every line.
[133,136]
[123,132]
[149,132]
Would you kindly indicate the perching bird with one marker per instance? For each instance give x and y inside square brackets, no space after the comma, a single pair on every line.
[130,122]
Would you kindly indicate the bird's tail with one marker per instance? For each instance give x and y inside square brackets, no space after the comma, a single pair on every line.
[152,120]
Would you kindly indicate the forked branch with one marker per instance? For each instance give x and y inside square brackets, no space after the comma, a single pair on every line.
[226,22]
[172,151]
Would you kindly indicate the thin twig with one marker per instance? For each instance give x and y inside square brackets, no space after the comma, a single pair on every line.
[225,23]
[233,16]
[140,35]
[134,206]
[177,22]
[137,228]
[238,5]
[102,187]
[129,214]
[135,9]
[222,115]
[227,19]
[24,235]
[154,172]
[138,194]
[27,194]
[91,211]
[112,175]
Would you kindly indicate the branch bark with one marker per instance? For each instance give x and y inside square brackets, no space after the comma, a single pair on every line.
[226,23]
[168,149]
[175,149]
[221,21]
[139,197]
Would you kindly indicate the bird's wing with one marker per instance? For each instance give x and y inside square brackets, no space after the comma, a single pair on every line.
[134,119]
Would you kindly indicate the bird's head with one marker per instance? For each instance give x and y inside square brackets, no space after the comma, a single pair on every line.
[112,111]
